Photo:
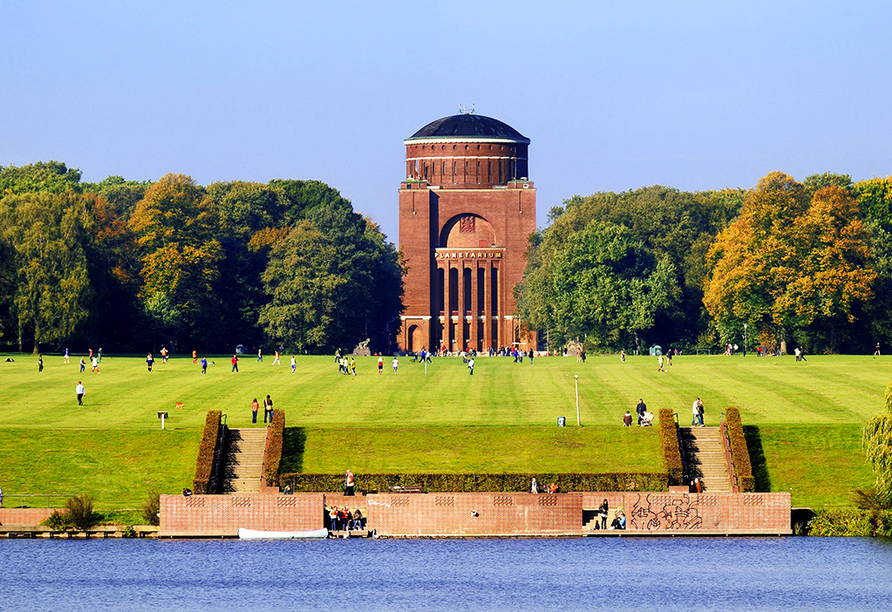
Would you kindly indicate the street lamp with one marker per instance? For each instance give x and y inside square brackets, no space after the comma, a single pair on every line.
[744,339]
[576,380]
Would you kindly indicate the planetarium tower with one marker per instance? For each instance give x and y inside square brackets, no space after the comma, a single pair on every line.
[467,209]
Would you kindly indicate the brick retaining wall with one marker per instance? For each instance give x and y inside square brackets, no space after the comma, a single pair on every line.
[222,515]
[479,514]
[683,511]
[24,516]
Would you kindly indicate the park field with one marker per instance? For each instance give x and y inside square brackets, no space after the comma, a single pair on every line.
[803,419]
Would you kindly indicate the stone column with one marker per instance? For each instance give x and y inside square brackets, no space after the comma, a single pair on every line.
[460,339]
[447,311]
[475,305]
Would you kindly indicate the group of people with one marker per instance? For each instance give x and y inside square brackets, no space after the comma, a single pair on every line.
[267,409]
[645,416]
[342,519]
[551,489]
[618,522]
[346,366]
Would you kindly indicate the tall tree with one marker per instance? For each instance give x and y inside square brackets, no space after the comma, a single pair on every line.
[50,236]
[604,285]
[789,262]
[175,226]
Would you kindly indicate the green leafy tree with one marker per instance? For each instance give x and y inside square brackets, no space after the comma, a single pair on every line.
[332,288]
[877,441]
[605,286]
[40,177]
[49,236]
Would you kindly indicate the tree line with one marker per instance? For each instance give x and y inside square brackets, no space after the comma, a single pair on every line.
[124,264]
[800,263]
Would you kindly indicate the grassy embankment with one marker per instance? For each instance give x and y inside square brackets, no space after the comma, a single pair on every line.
[803,419]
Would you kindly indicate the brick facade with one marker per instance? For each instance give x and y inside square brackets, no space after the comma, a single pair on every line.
[25,516]
[480,514]
[466,212]
[222,515]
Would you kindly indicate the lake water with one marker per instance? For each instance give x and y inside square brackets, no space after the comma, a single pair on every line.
[524,574]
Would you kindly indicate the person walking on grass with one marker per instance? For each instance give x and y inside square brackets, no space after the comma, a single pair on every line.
[255,406]
[67,356]
[293,365]
[83,364]
[39,364]
[149,361]
[204,365]
[876,353]
[380,364]
[276,359]
[471,365]
[95,369]
[235,364]
[81,392]
[259,355]
[396,364]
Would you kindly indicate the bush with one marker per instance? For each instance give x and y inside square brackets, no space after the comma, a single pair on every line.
[474,483]
[671,451]
[851,522]
[80,512]
[273,458]
[151,508]
[57,521]
[204,465]
[739,451]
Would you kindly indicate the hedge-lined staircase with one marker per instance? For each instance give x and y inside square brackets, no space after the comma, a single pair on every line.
[704,454]
[244,461]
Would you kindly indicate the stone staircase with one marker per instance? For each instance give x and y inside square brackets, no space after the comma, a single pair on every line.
[705,457]
[244,461]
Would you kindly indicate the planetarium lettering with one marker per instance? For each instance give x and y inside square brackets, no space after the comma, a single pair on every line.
[467,255]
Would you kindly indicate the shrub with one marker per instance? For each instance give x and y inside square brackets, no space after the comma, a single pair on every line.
[473,483]
[739,451]
[57,521]
[671,450]
[204,465]
[151,508]
[80,511]
[273,458]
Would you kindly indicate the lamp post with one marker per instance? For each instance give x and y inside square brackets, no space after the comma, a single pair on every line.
[744,339]
[576,381]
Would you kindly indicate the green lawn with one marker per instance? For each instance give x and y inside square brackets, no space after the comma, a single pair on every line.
[804,418]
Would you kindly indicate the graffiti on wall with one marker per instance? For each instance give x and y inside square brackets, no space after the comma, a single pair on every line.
[663,511]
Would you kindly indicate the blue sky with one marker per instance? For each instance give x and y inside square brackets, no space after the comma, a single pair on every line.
[613,95]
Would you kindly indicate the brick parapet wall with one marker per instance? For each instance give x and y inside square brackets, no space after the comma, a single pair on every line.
[682,511]
[25,516]
[475,514]
[223,515]
[479,514]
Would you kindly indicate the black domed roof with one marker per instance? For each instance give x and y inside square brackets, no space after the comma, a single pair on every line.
[468,126]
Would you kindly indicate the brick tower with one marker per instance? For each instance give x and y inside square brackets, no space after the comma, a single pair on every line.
[466,212]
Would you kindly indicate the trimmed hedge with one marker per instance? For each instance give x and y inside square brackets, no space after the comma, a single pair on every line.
[274,438]
[204,465]
[739,451]
[671,451]
[476,483]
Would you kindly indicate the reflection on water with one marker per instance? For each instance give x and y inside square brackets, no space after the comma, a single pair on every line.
[370,575]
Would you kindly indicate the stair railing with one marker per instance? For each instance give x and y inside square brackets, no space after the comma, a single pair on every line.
[729,456]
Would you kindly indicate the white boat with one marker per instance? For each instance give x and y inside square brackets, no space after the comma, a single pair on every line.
[255,534]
